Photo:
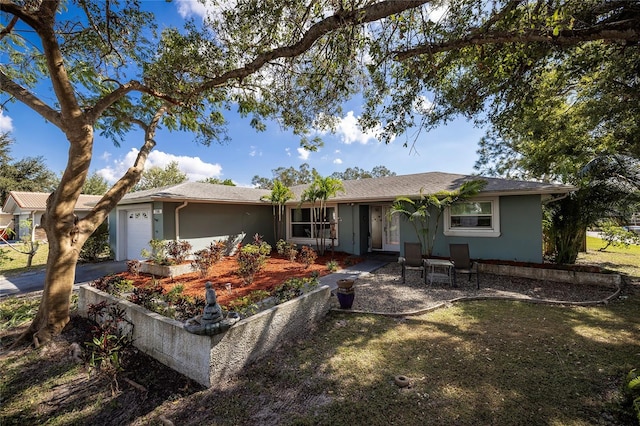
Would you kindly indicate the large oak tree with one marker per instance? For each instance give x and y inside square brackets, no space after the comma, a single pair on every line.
[292,61]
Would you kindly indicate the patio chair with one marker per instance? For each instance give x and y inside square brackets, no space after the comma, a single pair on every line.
[412,260]
[462,263]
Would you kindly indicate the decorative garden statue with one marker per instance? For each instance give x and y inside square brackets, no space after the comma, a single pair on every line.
[212,321]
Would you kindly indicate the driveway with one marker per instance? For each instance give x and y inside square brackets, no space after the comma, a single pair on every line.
[34,281]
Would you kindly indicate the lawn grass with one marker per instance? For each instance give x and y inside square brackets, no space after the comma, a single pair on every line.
[17,262]
[625,260]
[483,362]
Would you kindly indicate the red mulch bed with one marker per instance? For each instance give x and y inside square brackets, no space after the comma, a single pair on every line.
[276,270]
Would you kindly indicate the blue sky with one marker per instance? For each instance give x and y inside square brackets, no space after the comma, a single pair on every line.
[450,148]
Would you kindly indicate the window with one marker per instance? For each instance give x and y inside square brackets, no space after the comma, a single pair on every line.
[476,218]
[301,225]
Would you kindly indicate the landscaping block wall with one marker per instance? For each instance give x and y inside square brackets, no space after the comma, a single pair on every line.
[210,360]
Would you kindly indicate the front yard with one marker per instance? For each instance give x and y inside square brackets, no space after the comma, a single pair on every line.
[483,362]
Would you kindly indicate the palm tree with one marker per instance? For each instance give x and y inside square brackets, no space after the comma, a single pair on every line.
[418,212]
[321,189]
[280,194]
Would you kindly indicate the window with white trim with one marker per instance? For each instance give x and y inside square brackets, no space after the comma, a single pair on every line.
[301,225]
[473,218]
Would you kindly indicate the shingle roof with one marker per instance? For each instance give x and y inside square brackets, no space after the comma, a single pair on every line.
[198,191]
[362,190]
[37,201]
[390,187]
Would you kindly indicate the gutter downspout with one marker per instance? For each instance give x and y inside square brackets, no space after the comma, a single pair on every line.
[554,199]
[177,218]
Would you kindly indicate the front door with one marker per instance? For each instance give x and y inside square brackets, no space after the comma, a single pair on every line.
[385,229]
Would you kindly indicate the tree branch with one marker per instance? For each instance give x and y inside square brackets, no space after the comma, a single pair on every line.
[130,178]
[366,14]
[105,102]
[29,99]
[628,31]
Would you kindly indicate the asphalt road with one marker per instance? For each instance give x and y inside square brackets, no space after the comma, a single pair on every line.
[34,281]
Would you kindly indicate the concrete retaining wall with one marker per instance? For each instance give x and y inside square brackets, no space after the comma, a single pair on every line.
[551,274]
[209,360]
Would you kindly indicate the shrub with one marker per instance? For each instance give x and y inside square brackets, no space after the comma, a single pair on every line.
[294,287]
[97,245]
[178,251]
[307,255]
[248,305]
[287,250]
[111,337]
[616,235]
[332,265]
[632,391]
[113,284]
[133,266]
[158,253]
[251,259]
[206,258]
[146,296]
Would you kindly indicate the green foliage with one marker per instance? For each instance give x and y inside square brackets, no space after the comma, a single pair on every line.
[217,181]
[307,255]
[157,177]
[113,284]
[27,174]
[332,265]
[147,296]
[251,258]
[95,185]
[287,177]
[97,245]
[111,336]
[17,311]
[632,391]
[320,191]
[171,252]
[178,251]
[418,211]
[248,305]
[294,287]
[205,259]
[616,236]
[279,196]
[354,173]
[287,250]
[158,253]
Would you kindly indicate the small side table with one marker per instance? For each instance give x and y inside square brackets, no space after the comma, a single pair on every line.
[445,265]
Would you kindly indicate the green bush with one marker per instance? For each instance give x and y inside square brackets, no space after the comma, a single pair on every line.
[307,255]
[251,258]
[97,245]
[294,287]
[206,258]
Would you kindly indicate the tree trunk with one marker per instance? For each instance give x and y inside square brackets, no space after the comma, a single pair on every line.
[65,242]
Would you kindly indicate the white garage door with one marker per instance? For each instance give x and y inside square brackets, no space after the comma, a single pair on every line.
[138,232]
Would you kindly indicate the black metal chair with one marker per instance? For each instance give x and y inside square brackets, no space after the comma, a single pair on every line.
[462,263]
[412,259]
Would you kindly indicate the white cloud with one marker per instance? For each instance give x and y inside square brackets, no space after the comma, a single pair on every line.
[6,123]
[303,154]
[351,132]
[422,105]
[254,152]
[436,14]
[337,161]
[188,8]
[288,151]
[193,167]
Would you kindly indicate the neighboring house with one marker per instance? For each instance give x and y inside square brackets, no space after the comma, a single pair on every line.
[25,206]
[509,226]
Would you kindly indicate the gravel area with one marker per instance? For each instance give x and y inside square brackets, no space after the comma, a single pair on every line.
[383,291]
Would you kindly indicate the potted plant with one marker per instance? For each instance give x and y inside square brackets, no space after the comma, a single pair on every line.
[345,293]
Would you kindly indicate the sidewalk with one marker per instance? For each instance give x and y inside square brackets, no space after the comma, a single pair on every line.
[34,280]
[352,272]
